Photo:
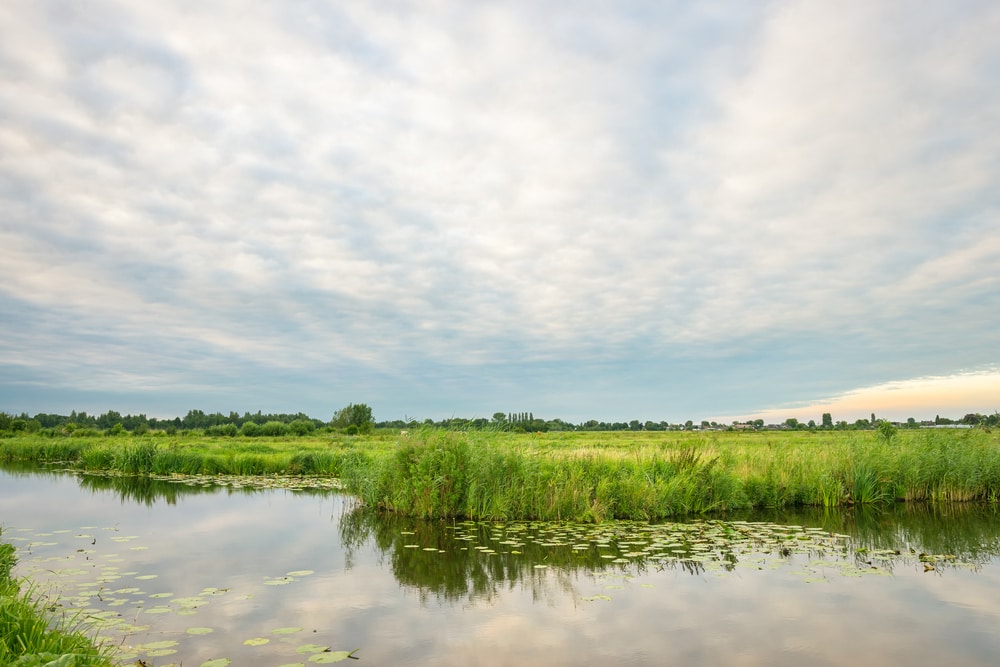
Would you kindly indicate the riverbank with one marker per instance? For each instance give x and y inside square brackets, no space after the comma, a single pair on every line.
[30,634]
[572,476]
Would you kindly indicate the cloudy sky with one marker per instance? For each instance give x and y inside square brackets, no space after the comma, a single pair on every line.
[612,210]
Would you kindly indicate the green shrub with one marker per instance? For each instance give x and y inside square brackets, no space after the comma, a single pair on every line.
[250,430]
[273,429]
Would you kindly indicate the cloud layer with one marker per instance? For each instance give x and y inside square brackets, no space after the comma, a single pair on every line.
[620,210]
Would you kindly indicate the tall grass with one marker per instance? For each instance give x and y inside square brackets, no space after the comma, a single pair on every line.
[584,476]
[498,476]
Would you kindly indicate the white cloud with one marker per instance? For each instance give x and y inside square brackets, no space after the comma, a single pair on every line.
[448,183]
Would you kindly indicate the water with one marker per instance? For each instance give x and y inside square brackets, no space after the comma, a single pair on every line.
[160,562]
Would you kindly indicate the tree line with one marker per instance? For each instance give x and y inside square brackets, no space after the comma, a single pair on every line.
[357,418]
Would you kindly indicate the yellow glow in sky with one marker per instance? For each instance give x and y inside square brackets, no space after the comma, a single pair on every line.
[923,398]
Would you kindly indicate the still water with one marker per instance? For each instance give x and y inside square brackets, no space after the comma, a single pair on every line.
[192,575]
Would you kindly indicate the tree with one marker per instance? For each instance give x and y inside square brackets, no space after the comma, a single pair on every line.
[357,415]
[827,420]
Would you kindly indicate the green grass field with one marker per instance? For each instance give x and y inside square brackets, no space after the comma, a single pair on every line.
[584,476]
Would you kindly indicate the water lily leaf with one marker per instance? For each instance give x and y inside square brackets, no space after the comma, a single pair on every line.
[257,641]
[286,631]
[279,581]
[168,643]
[311,648]
[300,573]
[217,662]
[332,656]
[160,652]
[199,631]
[143,577]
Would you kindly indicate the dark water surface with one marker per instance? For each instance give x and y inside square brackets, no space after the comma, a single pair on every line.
[160,562]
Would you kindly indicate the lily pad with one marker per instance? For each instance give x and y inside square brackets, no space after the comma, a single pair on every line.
[199,631]
[217,662]
[311,648]
[257,641]
[286,631]
[332,656]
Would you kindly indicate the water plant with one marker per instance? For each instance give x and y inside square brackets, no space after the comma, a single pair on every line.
[29,634]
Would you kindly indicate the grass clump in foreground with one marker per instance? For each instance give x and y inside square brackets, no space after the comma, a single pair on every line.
[30,637]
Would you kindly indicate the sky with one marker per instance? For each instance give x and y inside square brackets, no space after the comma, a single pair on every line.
[596,210]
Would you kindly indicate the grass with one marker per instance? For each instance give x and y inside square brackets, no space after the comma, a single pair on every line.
[30,636]
[432,473]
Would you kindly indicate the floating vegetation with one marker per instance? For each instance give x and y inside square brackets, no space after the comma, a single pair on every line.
[494,555]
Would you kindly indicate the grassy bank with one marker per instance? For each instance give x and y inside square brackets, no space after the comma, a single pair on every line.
[29,636]
[579,476]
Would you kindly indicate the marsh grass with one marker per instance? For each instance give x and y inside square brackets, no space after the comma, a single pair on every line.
[432,473]
[32,636]
[499,476]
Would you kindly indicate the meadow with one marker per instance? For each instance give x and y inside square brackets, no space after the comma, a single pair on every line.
[579,476]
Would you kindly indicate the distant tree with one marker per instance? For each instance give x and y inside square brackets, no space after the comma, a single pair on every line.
[792,422]
[886,430]
[688,425]
[358,415]
[827,420]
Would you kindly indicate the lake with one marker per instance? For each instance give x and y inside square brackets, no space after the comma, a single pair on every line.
[199,574]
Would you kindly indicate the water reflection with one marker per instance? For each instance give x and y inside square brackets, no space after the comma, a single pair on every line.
[783,588]
[475,561]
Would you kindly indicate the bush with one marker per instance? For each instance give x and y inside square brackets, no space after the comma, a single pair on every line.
[301,427]
[250,430]
[274,429]
[225,430]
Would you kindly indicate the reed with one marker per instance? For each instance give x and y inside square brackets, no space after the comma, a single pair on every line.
[433,473]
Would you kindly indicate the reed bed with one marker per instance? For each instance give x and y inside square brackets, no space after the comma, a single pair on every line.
[433,473]
[436,474]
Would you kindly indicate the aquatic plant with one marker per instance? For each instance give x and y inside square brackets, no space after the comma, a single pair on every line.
[29,634]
